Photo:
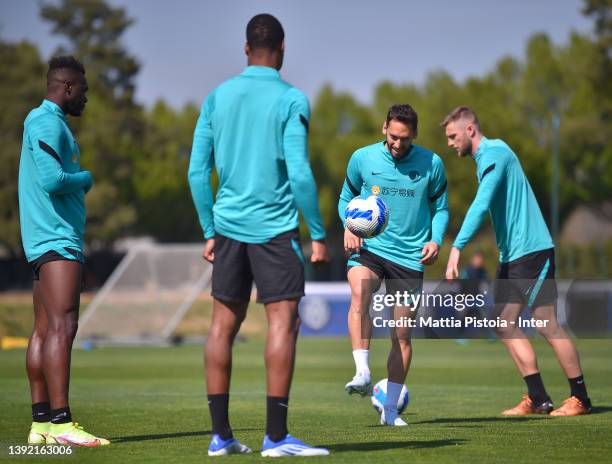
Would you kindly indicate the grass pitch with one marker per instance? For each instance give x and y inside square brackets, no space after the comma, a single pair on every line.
[150,402]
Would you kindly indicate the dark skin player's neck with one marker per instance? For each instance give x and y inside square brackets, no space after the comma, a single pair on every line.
[58,100]
[263,57]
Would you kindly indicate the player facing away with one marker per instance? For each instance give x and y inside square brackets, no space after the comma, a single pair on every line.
[254,129]
[412,182]
[52,188]
[527,262]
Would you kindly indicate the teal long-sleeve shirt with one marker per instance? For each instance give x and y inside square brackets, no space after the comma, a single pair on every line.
[505,191]
[253,129]
[415,191]
[52,186]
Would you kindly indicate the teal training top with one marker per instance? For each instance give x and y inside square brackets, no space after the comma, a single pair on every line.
[505,191]
[52,186]
[415,191]
[254,129]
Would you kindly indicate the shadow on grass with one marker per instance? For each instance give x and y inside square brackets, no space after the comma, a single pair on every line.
[601,409]
[164,436]
[388,445]
[161,436]
[461,420]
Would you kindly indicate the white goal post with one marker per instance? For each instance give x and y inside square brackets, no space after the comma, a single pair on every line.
[146,296]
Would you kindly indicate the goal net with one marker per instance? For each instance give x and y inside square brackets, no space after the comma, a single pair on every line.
[146,296]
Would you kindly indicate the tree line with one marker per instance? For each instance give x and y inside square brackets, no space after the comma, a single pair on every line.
[139,156]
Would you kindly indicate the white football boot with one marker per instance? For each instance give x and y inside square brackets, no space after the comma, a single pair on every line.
[361,384]
[389,416]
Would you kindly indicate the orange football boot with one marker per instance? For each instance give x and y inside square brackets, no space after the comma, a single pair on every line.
[526,407]
[571,407]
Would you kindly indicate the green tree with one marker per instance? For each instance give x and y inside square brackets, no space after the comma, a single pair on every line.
[515,101]
[21,89]
[163,198]
[93,30]
[339,126]
[601,12]
[111,127]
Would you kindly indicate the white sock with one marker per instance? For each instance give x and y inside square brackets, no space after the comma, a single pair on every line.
[361,362]
[393,393]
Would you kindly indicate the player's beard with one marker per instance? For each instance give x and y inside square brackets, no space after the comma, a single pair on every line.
[75,108]
[400,154]
[467,150]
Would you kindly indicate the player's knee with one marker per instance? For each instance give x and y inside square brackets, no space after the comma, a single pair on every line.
[358,293]
[401,339]
[504,332]
[404,339]
[65,326]
[403,344]
[39,333]
[224,329]
[284,327]
[551,330]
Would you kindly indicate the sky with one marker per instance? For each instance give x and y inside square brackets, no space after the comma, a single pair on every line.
[187,47]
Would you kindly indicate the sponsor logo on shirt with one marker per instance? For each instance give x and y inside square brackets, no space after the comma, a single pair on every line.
[392,192]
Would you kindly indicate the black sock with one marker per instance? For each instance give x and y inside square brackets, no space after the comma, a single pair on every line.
[276,425]
[41,412]
[578,389]
[219,405]
[535,388]
[61,416]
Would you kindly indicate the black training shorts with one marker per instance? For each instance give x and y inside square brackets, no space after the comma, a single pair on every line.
[397,278]
[53,256]
[277,267]
[529,280]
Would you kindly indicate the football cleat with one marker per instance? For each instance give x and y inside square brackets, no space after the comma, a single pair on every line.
[72,434]
[220,447]
[526,407]
[390,417]
[571,407]
[290,446]
[361,384]
[38,433]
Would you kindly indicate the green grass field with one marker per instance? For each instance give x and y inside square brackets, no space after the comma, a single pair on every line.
[151,403]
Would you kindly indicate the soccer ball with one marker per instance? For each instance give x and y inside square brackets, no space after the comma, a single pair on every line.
[380,396]
[366,217]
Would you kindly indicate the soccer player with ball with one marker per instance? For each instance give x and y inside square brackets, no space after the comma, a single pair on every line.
[411,181]
[527,262]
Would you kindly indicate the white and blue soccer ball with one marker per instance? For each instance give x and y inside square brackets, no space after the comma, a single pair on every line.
[379,396]
[366,217]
